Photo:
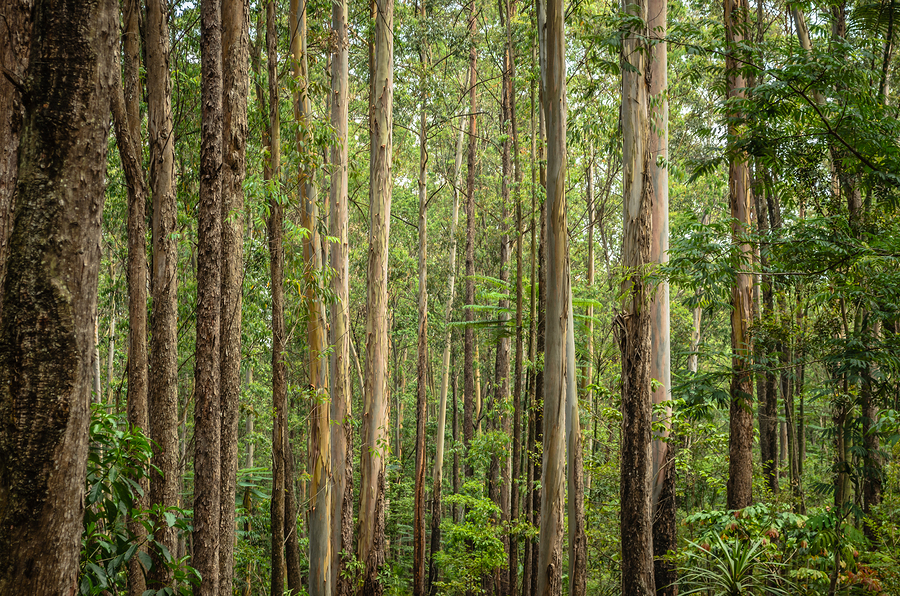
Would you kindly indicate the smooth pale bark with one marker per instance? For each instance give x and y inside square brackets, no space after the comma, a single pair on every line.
[469,357]
[438,473]
[419,577]
[15,48]
[235,90]
[633,324]
[740,442]
[559,363]
[163,389]
[319,462]
[376,415]
[127,141]
[341,411]
[50,296]
[663,493]
[276,272]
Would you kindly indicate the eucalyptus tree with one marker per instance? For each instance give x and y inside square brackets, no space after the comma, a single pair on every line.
[633,323]
[50,292]
[163,361]
[207,407]
[376,411]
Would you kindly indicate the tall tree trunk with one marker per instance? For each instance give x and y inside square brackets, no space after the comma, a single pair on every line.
[768,399]
[445,381]
[740,456]
[50,294]
[291,522]
[126,119]
[588,375]
[235,89]
[15,48]
[516,470]
[633,324]
[320,509]
[469,341]
[419,577]
[276,266]
[663,492]
[163,390]
[376,414]
[248,495]
[341,410]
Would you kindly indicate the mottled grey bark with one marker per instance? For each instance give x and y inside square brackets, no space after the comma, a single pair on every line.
[50,294]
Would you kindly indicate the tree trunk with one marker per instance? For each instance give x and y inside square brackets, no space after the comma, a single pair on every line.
[419,588]
[633,324]
[445,381]
[235,89]
[376,414]
[127,129]
[15,48]
[163,391]
[740,443]
[276,265]
[291,520]
[663,492]
[50,294]
[341,410]
[469,341]
[207,407]
[768,400]
[248,495]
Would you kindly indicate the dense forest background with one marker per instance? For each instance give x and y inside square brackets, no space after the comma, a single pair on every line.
[410,197]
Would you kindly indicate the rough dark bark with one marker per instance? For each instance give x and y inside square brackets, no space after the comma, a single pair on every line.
[163,390]
[235,89]
[207,407]
[15,48]
[50,294]
[469,339]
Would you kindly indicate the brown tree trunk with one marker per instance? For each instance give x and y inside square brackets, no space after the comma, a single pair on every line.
[276,266]
[740,456]
[768,406]
[419,577]
[15,48]
[50,294]
[235,89]
[207,407]
[469,340]
[341,411]
[376,416]
[163,389]
[126,119]
[633,324]
[291,521]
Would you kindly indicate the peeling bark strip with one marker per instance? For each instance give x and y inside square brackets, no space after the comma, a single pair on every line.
[633,324]
[46,332]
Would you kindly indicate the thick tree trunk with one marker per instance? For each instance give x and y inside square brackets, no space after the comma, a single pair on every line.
[207,407]
[740,462]
[276,267]
[633,324]
[341,411]
[50,294]
[163,390]
[235,89]
[128,142]
[663,492]
[376,414]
